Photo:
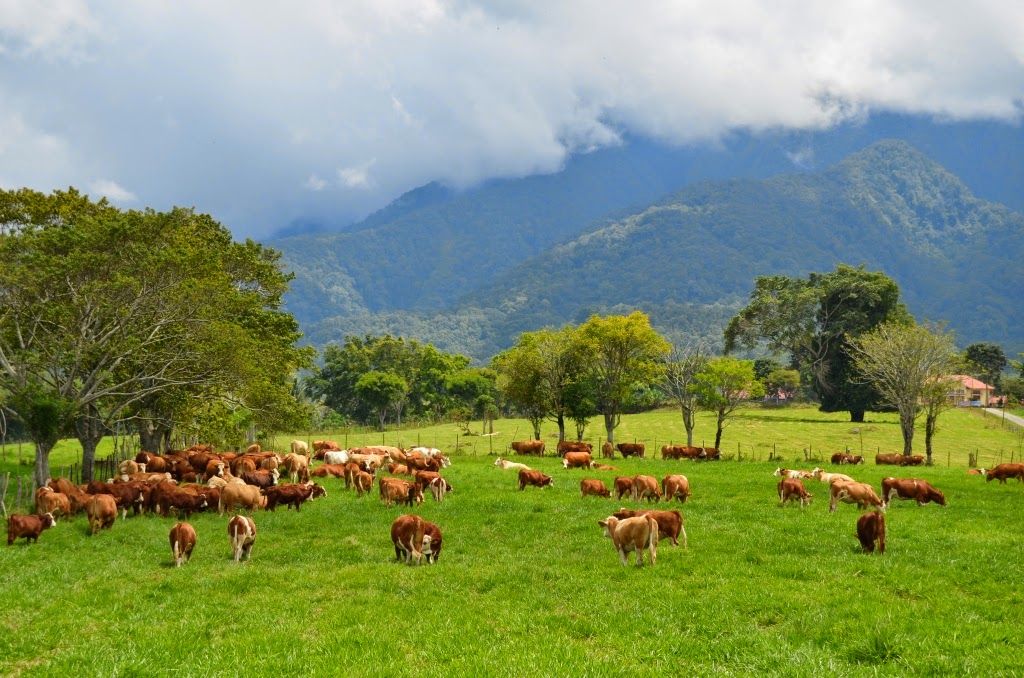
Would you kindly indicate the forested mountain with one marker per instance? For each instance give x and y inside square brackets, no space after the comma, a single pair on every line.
[689,258]
[434,245]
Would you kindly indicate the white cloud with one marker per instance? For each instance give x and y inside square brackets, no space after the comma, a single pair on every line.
[454,90]
[112,190]
[315,183]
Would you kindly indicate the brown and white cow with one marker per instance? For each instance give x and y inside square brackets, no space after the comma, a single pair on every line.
[101,510]
[510,465]
[646,487]
[595,487]
[829,478]
[676,486]
[296,466]
[577,460]
[573,446]
[670,523]
[890,458]
[871,527]
[242,533]
[183,540]
[408,536]
[793,488]
[631,449]
[262,478]
[363,482]
[534,478]
[852,492]
[681,452]
[1002,472]
[841,458]
[432,542]
[535,447]
[29,527]
[910,488]
[400,491]
[623,486]
[633,534]
[792,473]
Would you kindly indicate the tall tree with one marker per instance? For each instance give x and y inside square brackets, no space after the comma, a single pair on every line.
[682,366]
[520,372]
[900,360]
[934,401]
[987,361]
[621,351]
[381,390]
[722,385]
[814,320]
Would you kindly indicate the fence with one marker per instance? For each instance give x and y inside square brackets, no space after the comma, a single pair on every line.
[17,490]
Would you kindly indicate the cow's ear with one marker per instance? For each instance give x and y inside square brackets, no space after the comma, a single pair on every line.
[603,523]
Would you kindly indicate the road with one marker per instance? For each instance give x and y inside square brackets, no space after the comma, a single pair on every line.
[1019,421]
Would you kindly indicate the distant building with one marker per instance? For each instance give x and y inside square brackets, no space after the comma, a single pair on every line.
[970,392]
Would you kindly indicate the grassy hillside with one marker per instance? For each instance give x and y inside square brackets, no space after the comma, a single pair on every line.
[527,585]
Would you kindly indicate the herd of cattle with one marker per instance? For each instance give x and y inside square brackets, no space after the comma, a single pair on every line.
[161,484]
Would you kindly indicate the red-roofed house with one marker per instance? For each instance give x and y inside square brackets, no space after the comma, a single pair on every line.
[970,391]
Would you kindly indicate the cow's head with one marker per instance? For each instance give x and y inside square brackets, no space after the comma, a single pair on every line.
[609,525]
[937,497]
[49,520]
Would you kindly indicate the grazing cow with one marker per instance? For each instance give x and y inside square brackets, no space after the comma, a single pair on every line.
[577,460]
[844,458]
[594,487]
[328,471]
[670,523]
[792,473]
[912,460]
[54,503]
[262,479]
[424,478]
[892,459]
[790,488]
[363,482]
[180,500]
[398,470]
[248,496]
[607,451]
[712,454]
[439,487]
[829,478]
[432,542]
[297,466]
[214,469]
[571,446]
[535,447]
[371,462]
[646,487]
[605,467]
[623,486]
[676,486]
[976,471]
[183,540]
[335,457]
[242,533]
[29,527]
[681,452]
[408,536]
[291,494]
[1002,472]
[502,463]
[300,447]
[325,445]
[871,526]
[910,488]
[852,492]
[400,491]
[535,478]
[633,534]
[631,449]
[101,511]
[126,495]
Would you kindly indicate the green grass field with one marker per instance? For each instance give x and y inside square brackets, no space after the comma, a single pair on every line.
[527,585]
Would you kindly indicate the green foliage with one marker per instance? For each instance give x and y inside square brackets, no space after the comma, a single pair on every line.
[781,383]
[381,391]
[987,362]
[722,385]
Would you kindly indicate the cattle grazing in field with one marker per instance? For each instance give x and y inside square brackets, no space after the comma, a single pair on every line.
[290,494]
[976,471]
[595,487]
[682,452]
[913,460]
[676,486]
[623,486]
[363,482]
[844,458]
[180,500]
[328,471]
[55,503]
[871,527]
[297,467]
[792,473]
[242,533]
[1002,472]
[433,481]
[897,459]
[911,488]
[29,527]
[646,487]
[573,446]
[712,454]
[607,451]
[534,478]
[398,470]
[510,465]
[633,534]
[793,488]
[183,540]
[126,495]
[535,447]
[432,542]
[670,523]
[577,460]
[408,536]
[852,492]
[631,450]
[400,491]
[300,447]
[829,478]
[262,479]
[248,496]
[101,510]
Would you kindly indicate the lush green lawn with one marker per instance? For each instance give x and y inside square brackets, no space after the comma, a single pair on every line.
[527,585]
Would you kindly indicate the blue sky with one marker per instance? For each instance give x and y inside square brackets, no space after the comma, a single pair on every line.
[263,112]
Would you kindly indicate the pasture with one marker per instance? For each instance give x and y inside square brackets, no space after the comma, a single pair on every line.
[527,585]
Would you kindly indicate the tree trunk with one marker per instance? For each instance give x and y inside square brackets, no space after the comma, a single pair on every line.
[89,431]
[718,432]
[536,428]
[929,431]
[688,424]
[857,416]
[609,426]
[149,436]
[42,468]
[561,426]
[907,428]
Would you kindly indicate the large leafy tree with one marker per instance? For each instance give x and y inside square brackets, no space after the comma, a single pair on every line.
[620,352]
[901,360]
[520,372]
[381,391]
[105,310]
[722,386]
[987,361]
[814,320]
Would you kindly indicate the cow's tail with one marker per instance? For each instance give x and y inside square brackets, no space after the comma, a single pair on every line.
[176,552]
[881,534]
[652,540]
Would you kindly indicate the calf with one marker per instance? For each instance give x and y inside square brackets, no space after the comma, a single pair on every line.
[792,488]
[534,478]
[633,534]
[646,487]
[507,465]
[431,542]
[297,466]
[401,491]
[242,533]
[180,500]
[631,449]
[398,470]
[363,482]
[292,495]
[910,488]
[29,527]
[861,494]
[183,540]
[607,450]
[1002,472]
[623,486]
[871,526]
[676,487]
[670,523]
[438,488]
[577,460]
[408,536]
[101,511]
[595,487]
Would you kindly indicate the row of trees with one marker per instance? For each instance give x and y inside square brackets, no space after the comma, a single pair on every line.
[152,319]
